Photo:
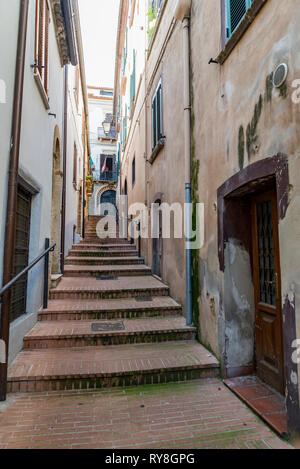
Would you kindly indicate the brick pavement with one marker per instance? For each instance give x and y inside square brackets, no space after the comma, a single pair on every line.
[194,415]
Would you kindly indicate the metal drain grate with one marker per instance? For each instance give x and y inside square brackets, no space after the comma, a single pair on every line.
[144,299]
[108,327]
[107,277]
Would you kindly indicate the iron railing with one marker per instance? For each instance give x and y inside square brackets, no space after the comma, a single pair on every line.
[45,255]
[108,176]
[3,334]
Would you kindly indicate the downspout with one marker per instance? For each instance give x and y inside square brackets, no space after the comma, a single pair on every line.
[64,188]
[12,188]
[182,13]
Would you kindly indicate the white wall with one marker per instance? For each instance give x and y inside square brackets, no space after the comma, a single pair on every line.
[74,137]
[9,20]
[36,154]
[36,150]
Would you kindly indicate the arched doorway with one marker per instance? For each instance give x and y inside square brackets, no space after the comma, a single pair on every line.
[56,202]
[108,197]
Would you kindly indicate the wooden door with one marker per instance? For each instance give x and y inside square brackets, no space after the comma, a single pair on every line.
[157,247]
[267,285]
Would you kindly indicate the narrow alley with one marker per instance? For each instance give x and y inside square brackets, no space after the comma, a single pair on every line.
[149,226]
[111,324]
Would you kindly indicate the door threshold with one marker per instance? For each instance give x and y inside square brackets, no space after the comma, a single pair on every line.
[267,403]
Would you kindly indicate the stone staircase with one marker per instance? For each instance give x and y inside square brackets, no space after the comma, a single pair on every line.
[109,323]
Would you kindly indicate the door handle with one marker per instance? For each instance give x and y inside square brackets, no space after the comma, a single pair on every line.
[276,283]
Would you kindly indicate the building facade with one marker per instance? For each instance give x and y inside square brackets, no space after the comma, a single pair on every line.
[103,149]
[244,167]
[50,160]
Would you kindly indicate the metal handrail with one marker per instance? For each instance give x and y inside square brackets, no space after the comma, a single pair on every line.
[25,271]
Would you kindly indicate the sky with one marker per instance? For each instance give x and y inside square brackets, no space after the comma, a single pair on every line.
[99,22]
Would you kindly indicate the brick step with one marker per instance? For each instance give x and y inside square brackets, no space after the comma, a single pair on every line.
[124,287]
[122,365]
[96,239]
[97,271]
[102,253]
[104,247]
[101,234]
[105,242]
[81,334]
[67,310]
[104,261]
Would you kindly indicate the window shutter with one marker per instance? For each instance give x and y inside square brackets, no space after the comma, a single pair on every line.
[235,12]
[42,41]
[154,121]
[46,39]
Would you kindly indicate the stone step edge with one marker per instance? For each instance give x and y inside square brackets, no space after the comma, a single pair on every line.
[109,294]
[61,316]
[94,381]
[114,310]
[79,253]
[95,273]
[107,339]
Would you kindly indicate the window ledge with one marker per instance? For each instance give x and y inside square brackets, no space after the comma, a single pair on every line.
[159,146]
[42,91]
[240,31]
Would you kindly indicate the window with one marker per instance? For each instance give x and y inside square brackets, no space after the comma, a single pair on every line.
[108,168]
[110,94]
[132,83]
[125,52]
[75,166]
[133,172]
[235,13]
[42,42]
[21,253]
[156,5]
[157,124]
[124,129]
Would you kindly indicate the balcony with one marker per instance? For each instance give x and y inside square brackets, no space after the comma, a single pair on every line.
[108,176]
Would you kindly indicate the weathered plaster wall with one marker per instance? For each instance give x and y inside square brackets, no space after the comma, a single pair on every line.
[166,174]
[239,118]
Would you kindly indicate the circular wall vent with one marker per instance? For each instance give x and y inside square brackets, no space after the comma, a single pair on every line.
[280,75]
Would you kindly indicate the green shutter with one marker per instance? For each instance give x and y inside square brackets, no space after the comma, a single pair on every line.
[235,13]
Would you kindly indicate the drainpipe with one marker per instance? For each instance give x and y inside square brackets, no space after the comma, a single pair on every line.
[13,187]
[182,13]
[64,188]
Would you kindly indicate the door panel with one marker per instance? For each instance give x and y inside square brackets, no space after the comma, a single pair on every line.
[268,309]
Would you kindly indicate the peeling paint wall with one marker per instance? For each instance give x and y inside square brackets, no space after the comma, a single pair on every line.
[239,119]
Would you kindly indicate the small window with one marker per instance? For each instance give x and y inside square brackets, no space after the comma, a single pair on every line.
[107,93]
[75,166]
[133,172]
[42,41]
[133,82]
[157,124]
[235,13]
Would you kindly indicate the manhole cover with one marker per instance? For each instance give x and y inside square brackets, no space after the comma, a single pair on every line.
[144,299]
[108,327]
[107,277]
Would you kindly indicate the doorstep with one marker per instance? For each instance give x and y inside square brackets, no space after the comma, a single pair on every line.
[267,403]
